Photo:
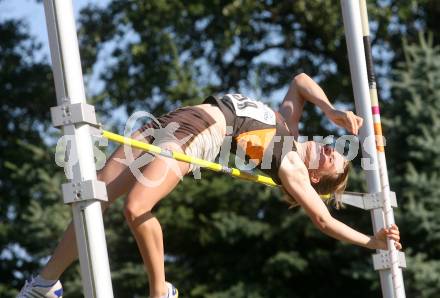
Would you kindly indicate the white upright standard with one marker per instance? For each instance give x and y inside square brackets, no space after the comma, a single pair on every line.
[379,200]
[83,191]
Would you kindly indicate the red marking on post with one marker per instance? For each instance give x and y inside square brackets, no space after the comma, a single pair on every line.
[375,110]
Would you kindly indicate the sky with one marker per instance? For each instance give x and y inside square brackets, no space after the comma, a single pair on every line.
[33,14]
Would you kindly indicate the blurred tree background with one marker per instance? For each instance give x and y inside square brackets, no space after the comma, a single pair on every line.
[220,242]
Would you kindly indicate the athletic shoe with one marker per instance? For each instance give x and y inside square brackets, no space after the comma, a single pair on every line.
[33,290]
[172,291]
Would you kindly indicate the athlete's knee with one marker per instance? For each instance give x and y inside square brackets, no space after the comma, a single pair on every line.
[136,207]
[136,216]
[131,210]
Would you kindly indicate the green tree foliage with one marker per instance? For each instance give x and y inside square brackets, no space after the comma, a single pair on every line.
[31,216]
[166,48]
[414,144]
[24,161]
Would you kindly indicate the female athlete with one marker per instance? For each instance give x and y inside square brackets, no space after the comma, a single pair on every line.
[242,126]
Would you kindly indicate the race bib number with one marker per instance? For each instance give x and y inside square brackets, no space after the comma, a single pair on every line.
[249,107]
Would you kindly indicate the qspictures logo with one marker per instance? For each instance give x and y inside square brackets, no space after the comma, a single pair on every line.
[136,161]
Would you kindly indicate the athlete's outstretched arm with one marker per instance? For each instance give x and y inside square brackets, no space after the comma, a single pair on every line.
[303,88]
[295,180]
[292,107]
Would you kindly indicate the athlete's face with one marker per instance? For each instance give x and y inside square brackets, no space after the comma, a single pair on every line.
[326,160]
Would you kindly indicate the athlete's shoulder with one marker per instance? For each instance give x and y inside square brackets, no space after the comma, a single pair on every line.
[292,165]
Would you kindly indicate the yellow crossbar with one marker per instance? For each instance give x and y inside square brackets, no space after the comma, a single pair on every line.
[189,159]
[216,167]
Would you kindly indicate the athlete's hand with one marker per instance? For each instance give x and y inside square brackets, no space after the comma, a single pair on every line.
[346,119]
[381,238]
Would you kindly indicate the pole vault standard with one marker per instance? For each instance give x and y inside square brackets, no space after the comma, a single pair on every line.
[396,272]
[83,191]
[388,263]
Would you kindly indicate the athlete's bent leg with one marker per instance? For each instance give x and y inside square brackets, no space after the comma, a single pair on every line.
[119,180]
[160,177]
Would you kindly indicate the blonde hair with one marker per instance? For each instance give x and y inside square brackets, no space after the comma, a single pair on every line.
[333,185]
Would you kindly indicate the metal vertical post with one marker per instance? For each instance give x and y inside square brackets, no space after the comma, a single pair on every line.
[391,279]
[396,272]
[83,191]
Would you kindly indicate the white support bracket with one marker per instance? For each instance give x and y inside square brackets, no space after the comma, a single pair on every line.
[96,131]
[367,201]
[83,191]
[382,260]
[67,114]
